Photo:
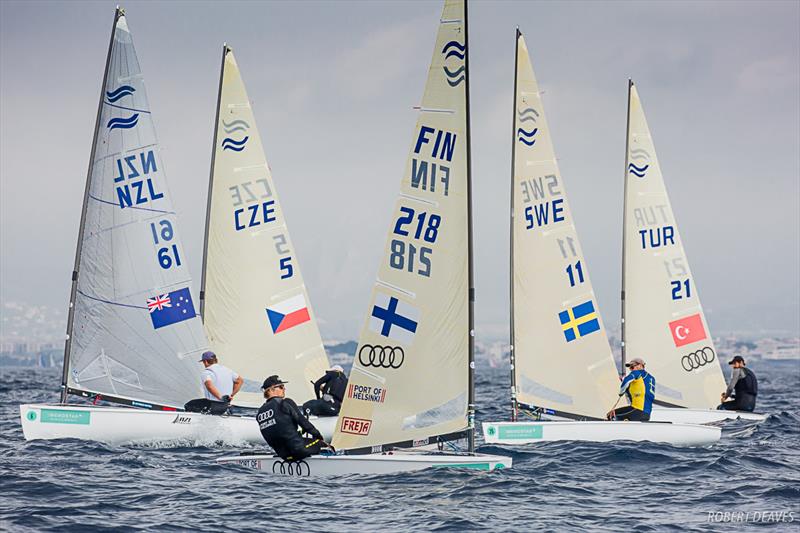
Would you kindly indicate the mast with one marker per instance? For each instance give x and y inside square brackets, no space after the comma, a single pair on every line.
[74,289]
[624,218]
[511,237]
[225,50]
[471,366]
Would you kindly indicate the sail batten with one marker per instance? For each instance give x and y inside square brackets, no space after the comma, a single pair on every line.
[664,322]
[561,359]
[256,309]
[133,330]
[414,350]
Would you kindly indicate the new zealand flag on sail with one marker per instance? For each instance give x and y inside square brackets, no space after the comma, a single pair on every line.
[168,309]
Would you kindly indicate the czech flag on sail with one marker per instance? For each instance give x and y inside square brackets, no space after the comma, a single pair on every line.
[288,314]
[579,321]
[171,308]
[687,330]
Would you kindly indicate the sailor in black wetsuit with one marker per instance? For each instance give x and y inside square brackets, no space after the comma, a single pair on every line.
[329,390]
[279,418]
[745,386]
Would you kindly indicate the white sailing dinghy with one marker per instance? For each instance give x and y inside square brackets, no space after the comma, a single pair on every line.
[133,336]
[253,301]
[411,385]
[562,364]
[662,318]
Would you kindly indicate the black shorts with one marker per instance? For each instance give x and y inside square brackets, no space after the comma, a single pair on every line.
[632,414]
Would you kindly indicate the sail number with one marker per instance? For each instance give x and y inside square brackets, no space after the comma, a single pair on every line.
[422,226]
[168,256]
[681,289]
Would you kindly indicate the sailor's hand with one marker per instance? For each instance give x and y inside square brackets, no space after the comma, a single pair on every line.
[226,399]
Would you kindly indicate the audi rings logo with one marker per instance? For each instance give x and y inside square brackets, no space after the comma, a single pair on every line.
[291,468]
[381,356]
[695,360]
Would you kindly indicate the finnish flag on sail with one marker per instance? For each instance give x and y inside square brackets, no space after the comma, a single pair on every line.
[394,319]
[171,308]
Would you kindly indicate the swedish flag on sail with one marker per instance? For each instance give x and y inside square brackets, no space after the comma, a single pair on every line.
[579,321]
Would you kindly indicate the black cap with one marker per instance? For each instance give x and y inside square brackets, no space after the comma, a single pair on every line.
[271,382]
[737,359]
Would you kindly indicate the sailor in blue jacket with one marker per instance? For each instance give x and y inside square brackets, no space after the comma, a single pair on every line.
[640,388]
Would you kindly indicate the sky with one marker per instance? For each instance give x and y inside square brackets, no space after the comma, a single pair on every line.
[333,86]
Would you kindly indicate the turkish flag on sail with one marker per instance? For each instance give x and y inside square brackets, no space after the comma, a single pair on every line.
[687,330]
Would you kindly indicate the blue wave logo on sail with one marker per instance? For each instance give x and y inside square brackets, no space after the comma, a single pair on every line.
[230,143]
[457,75]
[123,123]
[528,114]
[120,92]
[639,154]
[526,137]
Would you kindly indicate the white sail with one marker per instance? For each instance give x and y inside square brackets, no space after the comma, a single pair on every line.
[664,322]
[562,359]
[256,311]
[410,379]
[134,331]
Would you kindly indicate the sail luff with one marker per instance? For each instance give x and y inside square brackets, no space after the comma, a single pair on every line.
[225,50]
[511,234]
[665,321]
[82,226]
[624,225]
[470,258]
[562,359]
[413,357]
[257,312]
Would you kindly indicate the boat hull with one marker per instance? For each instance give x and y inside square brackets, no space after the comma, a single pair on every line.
[387,463]
[701,416]
[125,425]
[599,431]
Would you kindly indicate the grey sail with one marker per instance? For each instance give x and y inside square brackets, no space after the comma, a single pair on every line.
[134,332]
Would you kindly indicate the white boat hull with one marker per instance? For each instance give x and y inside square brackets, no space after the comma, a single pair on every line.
[599,431]
[387,463]
[125,425]
[701,416]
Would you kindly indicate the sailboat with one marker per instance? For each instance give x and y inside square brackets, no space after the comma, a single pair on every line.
[562,364]
[411,386]
[662,318]
[133,335]
[255,308]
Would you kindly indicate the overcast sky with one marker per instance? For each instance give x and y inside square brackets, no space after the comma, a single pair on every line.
[333,85]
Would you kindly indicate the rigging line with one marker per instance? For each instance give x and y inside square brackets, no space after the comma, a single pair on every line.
[126,108]
[132,206]
[110,302]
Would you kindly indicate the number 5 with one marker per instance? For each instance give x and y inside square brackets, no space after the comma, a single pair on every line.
[286,265]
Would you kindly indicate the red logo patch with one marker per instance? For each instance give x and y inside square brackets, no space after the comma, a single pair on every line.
[356,426]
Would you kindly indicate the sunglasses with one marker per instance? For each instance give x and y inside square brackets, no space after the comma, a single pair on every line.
[281,386]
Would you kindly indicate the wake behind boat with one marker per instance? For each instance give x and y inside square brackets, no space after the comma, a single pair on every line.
[415,355]
[562,364]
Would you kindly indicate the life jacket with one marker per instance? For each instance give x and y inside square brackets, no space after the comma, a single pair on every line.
[748,384]
[278,425]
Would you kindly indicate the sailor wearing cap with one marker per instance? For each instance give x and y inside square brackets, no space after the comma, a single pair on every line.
[745,386]
[279,420]
[220,385]
[640,388]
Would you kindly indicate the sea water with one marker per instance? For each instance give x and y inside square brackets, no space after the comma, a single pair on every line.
[751,477]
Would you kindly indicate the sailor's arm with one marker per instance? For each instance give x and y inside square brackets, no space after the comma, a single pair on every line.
[294,411]
[237,384]
[623,387]
[736,375]
[209,383]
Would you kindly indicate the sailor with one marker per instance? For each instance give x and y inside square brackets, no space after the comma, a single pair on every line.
[640,388]
[745,386]
[279,418]
[220,385]
[329,390]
